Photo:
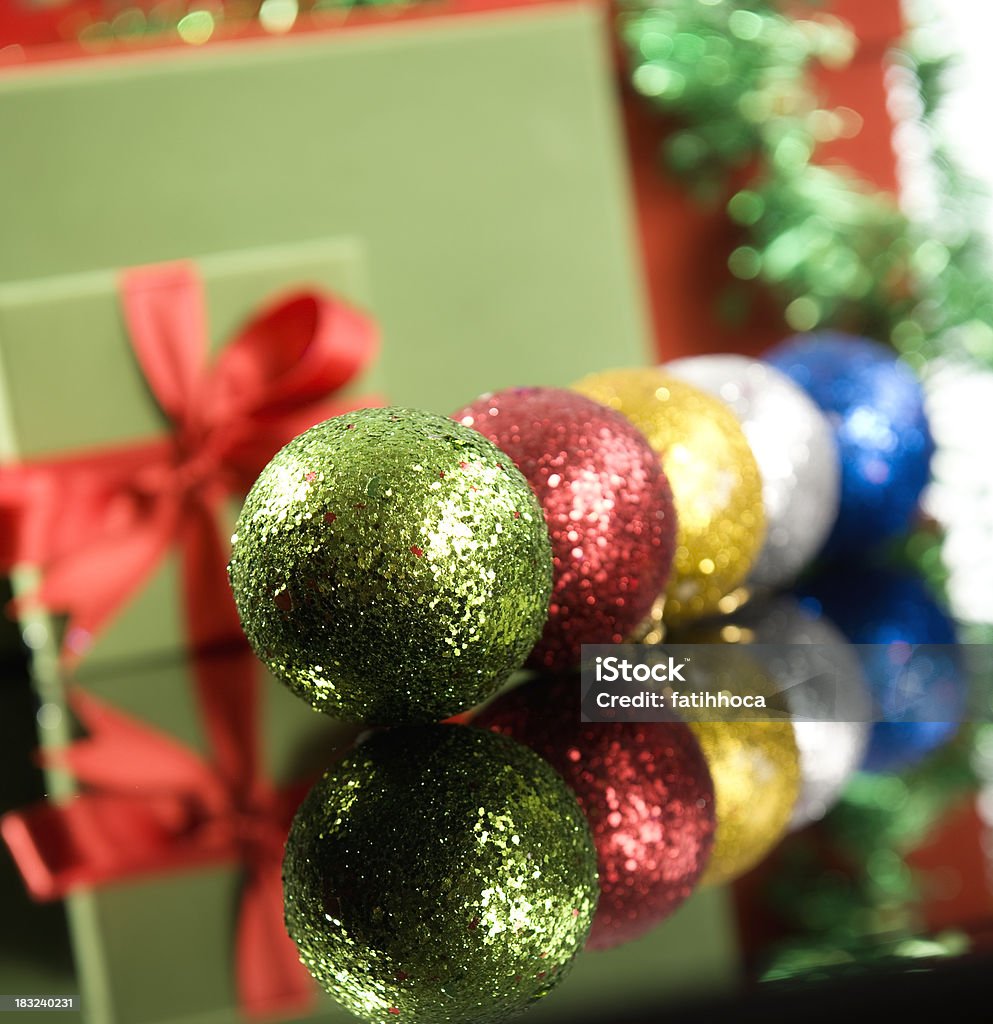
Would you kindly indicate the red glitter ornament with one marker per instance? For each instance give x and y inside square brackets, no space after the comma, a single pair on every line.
[607,505]
[645,789]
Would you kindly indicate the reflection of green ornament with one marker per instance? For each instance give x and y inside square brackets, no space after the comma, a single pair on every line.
[390,565]
[734,84]
[437,875]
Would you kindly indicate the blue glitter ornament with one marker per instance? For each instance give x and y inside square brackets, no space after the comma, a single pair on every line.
[876,406]
[907,647]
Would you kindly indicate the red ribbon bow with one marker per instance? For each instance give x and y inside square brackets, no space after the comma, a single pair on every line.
[149,804]
[98,523]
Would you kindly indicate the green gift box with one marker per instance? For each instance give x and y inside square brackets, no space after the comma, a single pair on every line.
[462,181]
[476,158]
[75,385]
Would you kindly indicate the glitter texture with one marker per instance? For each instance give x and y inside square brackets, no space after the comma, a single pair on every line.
[646,792]
[830,751]
[390,565]
[876,407]
[797,455]
[716,486]
[439,874]
[883,611]
[756,776]
[754,765]
[607,505]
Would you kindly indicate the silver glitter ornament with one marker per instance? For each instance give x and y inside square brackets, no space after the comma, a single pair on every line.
[795,647]
[796,452]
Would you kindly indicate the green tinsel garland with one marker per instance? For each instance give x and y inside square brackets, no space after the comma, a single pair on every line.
[735,78]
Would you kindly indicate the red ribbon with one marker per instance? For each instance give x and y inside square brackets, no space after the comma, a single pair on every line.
[98,523]
[149,804]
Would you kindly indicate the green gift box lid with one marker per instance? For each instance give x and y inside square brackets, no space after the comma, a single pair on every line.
[477,159]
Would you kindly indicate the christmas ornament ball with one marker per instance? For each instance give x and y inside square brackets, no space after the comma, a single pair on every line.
[795,448]
[821,679]
[439,874]
[756,773]
[875,405]
[608,508]
[390,565]
[644,788]
[753,760]
[716,485]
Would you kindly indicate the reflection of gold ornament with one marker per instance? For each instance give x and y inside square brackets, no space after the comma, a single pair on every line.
[716,486]
[756,773]
[755,765]
[439,874]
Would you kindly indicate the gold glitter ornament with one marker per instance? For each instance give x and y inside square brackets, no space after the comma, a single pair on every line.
[439,875]
[390,565]
[756,772]
[754,765]
[716,485]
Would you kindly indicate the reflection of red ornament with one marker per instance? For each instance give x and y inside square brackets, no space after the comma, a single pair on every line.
[645,789]
[608,508]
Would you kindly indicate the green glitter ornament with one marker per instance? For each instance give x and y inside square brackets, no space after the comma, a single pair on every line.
[391,565]
[437,875]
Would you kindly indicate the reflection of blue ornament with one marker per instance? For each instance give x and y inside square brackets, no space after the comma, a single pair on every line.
[907,647]
[876,406]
